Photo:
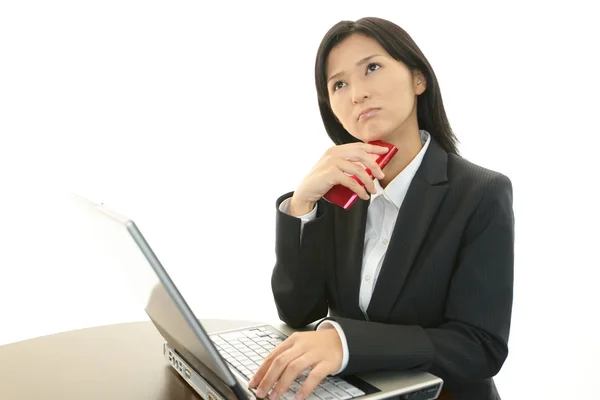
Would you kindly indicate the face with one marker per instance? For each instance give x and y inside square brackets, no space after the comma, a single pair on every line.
[362,76]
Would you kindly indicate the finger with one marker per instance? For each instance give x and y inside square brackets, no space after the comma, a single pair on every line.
[358,171]
[373,148]
[266,364]
[293,371]
[318,373]
[276,369]
[353,185]
[368,161]
[364,153]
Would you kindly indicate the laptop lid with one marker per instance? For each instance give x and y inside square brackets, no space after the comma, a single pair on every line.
[119,238]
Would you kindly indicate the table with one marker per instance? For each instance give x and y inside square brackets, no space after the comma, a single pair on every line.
[120,361]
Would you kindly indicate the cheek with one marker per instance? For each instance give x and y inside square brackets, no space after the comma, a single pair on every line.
[343,114]
[401,95]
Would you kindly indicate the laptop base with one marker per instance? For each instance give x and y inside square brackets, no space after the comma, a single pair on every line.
[207,392]
[201,386]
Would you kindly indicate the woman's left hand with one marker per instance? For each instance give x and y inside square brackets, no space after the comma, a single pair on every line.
[320,350]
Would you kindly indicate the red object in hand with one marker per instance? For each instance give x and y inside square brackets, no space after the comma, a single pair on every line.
[343,197]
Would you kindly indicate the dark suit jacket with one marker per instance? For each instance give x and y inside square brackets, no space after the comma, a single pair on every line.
[443,299]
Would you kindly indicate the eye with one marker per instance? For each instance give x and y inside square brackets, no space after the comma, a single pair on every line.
[373,67]
[370,68]
[337,86]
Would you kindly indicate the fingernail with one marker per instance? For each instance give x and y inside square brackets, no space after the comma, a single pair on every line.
[273,395]
[299,396]
[260,393]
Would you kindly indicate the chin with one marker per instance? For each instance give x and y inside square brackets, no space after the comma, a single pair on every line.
[374,130]
[375,135]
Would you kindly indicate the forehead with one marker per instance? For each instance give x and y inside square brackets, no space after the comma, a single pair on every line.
[352,49]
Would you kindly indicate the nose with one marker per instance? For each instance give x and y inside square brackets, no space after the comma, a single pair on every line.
[359,94]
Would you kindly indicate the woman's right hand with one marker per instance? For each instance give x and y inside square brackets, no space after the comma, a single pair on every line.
[335,168]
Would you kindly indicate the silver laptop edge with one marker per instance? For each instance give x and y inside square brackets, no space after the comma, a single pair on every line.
[180,303]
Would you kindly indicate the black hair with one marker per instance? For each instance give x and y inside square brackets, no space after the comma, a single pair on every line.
[431,115]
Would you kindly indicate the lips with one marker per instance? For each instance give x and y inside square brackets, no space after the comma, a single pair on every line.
[369,112]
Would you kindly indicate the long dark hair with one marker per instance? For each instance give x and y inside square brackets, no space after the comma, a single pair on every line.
[431,115]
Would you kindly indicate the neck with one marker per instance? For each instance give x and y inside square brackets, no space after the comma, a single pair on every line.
[408,144]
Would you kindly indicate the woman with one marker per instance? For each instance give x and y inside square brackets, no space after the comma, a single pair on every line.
[418,273]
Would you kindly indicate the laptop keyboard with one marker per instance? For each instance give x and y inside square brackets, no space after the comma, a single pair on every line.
[246,349]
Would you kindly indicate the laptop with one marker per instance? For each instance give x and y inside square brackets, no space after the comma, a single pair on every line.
[219,364]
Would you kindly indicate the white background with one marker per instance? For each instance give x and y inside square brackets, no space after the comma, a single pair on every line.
[193,118]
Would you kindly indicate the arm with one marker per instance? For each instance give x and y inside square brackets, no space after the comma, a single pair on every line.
[472,343]
[302,249]
[285,208]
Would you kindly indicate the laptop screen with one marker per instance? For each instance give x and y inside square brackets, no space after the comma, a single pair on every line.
[118,245]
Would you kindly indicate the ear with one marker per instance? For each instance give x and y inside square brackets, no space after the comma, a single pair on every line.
[419,82]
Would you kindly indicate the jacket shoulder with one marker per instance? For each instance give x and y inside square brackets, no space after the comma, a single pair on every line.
[465,174]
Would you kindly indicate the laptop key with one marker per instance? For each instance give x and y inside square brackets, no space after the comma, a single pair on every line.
[246,372]
[350,388]
[232,336]
[337,392]
[355,392]
[324,394]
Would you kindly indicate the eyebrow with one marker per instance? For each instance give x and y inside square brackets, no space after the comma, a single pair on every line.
[361,61]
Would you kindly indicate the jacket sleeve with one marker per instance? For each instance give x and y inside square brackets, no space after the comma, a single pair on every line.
[298,280]
[472,343]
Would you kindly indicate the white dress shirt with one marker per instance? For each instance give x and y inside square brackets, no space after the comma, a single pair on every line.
[381,218]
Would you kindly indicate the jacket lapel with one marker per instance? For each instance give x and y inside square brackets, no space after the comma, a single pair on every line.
[420,205]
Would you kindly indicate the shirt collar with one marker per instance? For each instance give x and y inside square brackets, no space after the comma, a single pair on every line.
[396,190]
